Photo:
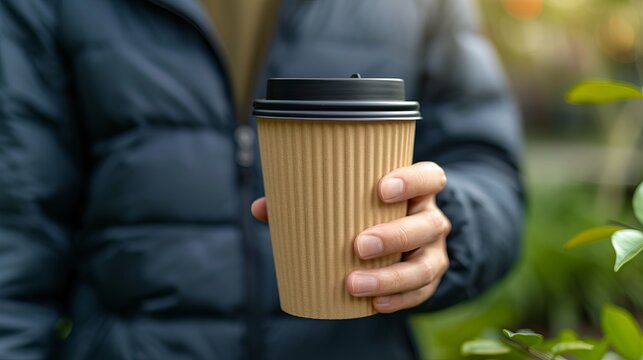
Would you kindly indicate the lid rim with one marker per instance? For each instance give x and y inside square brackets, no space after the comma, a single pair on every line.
[339,115]
[328,98]
[347,105]
[311,118]
[338,79]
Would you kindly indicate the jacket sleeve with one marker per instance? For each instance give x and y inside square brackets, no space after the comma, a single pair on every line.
[471,128]
[38,179]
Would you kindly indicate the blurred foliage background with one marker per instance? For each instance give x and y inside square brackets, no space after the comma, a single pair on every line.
[581,166]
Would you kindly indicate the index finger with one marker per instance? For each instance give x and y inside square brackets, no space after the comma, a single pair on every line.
[423,178]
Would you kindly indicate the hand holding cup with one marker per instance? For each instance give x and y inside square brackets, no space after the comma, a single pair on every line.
[420,237]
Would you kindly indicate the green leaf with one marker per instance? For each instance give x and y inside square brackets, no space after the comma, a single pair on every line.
[622,331]
[627,244]
[592,235]
[602,91]
[567,335]
[524,337]
[564,336]
[484,347]
[567,346]
[600,348]
[637,203]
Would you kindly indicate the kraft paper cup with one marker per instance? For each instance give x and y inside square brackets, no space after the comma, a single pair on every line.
[320,178]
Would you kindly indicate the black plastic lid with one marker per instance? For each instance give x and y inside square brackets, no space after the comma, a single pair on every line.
[353,98]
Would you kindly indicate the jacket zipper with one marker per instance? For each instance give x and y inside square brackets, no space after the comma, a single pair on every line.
[245,160]
[245,156]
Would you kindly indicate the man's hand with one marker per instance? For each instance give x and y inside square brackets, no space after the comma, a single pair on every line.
[420,237]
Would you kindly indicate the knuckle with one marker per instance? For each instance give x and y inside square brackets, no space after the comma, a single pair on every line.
[439,221]
[445,263]
[424,176]
[426,271]
[442,178]
[403,240]
[395,280]
[426,165]
[428,217]
[429,165]
[422,163]
[433,174]
[434,220]
[447,224]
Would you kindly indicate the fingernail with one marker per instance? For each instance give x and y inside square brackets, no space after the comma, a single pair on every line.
[391,188]
[369,246]
[364,284]
[382,300]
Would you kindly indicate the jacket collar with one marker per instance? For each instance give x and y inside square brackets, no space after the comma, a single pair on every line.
[192,12]
[189,10]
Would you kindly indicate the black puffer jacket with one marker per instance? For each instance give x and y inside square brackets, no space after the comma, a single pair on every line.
[122,205]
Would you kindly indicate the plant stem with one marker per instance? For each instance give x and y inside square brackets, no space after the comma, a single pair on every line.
[531,352]
[618,223]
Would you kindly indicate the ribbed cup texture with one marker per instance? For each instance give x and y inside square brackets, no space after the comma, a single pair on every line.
[321,182]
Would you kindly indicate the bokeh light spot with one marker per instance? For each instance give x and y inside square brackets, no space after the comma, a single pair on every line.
[523,9]
[617,38]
